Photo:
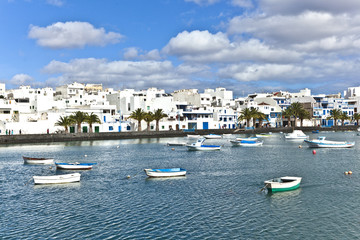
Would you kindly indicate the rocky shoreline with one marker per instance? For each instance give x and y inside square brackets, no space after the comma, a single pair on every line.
[47,138]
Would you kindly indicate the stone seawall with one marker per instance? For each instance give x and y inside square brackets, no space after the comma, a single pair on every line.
[43,138]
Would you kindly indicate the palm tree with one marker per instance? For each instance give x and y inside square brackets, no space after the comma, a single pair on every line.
[287,113]
[245,114]
[91,119]
[296,108]
[78,118]
[158,115]
[303,114]
[65,122]
[138,115]
[356,117]
[148,117]
[261,117]
[344,116]
[335,114]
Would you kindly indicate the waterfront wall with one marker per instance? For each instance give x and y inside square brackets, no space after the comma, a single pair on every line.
[43,138]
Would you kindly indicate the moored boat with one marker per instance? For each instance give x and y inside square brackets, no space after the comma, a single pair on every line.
[165,172]
[74,166]
[247,139]
[247,143]
[212,136]
[283,184]
[198,145]
[31,160]
[57,179]
[320,142]
[193,136]
[296,135]
[264,134]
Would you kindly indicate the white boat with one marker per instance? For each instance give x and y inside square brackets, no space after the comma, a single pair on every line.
[74,166]
[227,135]
[247,139]
[198,145]
[295,135]
[57,179]
[212,136]
[264,135]
[165,172]
[30,160]
[193,136]
[322,143]
[247,143]
[283,184]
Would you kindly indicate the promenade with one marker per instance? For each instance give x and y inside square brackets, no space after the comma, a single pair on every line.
[43,138]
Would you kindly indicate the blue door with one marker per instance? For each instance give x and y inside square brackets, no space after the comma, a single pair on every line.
[205,125]
[120,128]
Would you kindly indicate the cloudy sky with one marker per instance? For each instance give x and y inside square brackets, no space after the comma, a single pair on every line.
[243,45]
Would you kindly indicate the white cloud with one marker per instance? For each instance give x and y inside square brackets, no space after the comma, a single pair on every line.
[256,72]
[72,35]
[57,3]
[242,3]
[203,2]
[204,47]
[132,74]
[289,7]
[21,79]
[131,53]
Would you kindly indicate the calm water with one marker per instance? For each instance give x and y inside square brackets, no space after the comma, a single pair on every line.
[218,199]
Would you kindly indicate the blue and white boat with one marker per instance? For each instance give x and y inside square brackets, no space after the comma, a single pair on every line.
[320,142]
[212,136]
[247,143]
[199,146]
[247,139]
[74,166]
[165,172]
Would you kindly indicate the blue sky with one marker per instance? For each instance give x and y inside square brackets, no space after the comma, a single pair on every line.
[244,45]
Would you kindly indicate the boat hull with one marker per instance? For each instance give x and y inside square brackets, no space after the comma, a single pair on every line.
[283,184]
[247,143]
[328,144]
[210,136]
[74,166]
[57,179]
[28,160]
[204,148]
[170,172]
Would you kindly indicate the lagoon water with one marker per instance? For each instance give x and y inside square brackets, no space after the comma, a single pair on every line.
[218,199]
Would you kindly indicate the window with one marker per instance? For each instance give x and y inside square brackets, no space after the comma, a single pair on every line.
[111,128]
[148,107]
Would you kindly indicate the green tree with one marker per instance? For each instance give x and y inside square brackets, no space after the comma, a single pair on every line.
[78,118]
[148,117]
[261,117]
[65,122]
[287,113]
[91,119]
[344,116]
[335,114]
[356,117]
[296,109]
[158,115]
[303,114]
[245,114]
[138,115]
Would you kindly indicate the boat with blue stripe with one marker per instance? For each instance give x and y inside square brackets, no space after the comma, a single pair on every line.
[165,172]
[199,146]
[74,166]
[320,142]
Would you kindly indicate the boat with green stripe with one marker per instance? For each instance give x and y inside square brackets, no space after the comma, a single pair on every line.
[283,184]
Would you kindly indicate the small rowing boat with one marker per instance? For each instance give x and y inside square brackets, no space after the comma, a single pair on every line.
[30,160]
[212,136]
[57,179]
[74,166]
[165,172]
[283,184]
